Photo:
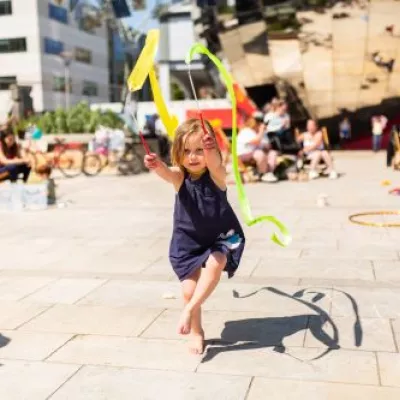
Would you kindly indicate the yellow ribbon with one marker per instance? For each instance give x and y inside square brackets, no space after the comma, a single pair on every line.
[145,61]
[170,121]
[145,67]
[243,200]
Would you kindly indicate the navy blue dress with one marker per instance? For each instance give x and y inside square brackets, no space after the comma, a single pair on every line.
[204,222]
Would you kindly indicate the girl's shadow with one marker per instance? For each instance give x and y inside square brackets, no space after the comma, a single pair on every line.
[3,342]
[255,333]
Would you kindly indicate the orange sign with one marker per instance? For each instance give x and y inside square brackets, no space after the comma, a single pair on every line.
[244,103]
[221,117]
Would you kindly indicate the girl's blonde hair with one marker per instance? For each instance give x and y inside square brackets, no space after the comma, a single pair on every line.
[190,127]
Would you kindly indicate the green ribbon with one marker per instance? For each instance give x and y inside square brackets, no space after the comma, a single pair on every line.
[243,200]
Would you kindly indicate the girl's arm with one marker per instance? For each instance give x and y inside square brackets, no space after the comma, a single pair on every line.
[286,121]
[5,161]
[214,161]
[300,138]
[22,155]
[172,175]
[260,135]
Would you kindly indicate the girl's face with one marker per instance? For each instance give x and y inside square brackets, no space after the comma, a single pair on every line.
[9,140]
[311,127]
[193,153]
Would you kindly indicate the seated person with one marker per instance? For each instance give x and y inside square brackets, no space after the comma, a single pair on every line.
[278,131]
[314,150]
[392,151]
[250,147]
[277,120]
[11,160]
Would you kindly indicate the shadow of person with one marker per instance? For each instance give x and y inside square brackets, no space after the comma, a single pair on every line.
[255,333]
[3,342]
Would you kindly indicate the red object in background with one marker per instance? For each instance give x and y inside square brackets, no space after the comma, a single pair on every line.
[222,140]
[244,103]
[224,115]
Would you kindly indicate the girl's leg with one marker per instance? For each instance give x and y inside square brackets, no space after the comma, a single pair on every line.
[196,345]
[13,171]
[261,161]
[375,142]
[315,158]
[326,157]
[25,170]
[272,160]
[379,144]
[209,278]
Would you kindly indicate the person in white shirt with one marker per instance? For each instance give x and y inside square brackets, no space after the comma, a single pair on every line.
[250,147]
[277,119]
[378,123]
[314,150]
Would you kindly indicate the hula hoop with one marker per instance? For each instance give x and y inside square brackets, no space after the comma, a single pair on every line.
[352,218]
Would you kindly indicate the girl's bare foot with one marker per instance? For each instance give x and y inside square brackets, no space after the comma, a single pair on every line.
[184,322]
[196,343]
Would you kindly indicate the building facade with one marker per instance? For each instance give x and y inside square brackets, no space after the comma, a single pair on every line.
[43,47]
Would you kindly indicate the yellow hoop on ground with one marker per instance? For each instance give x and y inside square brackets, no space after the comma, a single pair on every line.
[352,218]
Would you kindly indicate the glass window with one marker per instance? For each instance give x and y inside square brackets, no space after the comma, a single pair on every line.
[83,55]
[89,88]
[59,84]
[12,45]
[6,81]
[88,17]
[5,8]
[53,46]
[58,13]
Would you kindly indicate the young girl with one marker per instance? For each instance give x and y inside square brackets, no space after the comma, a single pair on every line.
[206,231]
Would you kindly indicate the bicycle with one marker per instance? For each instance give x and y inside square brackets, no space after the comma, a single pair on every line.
[69,158]
[129,162]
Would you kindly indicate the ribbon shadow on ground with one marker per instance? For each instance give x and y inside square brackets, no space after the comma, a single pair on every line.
[3,342]
[255,333]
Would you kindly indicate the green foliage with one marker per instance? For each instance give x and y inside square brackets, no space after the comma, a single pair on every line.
[177,92]
[60,117]
[78,119]
[225,9]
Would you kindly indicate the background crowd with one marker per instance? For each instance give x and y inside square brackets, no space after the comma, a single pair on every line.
[279,151]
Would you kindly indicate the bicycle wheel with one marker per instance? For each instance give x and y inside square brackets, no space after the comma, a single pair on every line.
[92,164]
[130,163]
[70,162]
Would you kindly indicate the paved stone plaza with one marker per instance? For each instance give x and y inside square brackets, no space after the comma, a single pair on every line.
[89,304]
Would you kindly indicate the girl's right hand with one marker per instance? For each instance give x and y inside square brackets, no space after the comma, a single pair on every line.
[151,161]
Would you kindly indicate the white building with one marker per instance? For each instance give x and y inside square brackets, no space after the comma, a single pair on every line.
[177,35]
[33,34]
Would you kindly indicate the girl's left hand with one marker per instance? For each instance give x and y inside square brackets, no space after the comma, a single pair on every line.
[208,142]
